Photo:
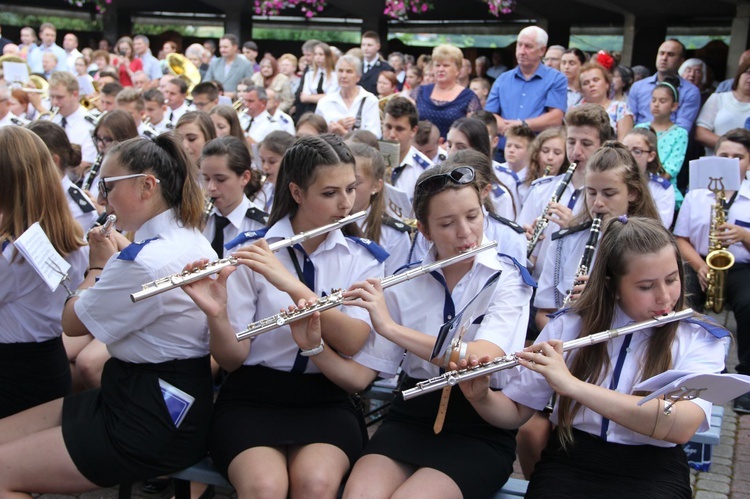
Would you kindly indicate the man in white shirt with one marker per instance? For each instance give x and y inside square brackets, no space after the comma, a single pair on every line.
[261,122]
[156,110]
[282,120]
[70,45]
[48,34]
[175,94]
[63,94]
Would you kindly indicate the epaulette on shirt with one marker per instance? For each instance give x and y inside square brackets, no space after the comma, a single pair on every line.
[497,190]
[507,170]
[376,250]
[81,200]
[709,325]
[542,180]
[250,235]
[421,161]
[510,223]
[257,215]
[397,224]
[283,119]
[664,183]
[571,230]
[132,250]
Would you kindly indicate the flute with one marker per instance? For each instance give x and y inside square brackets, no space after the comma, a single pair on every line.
[105,229]
[159,286]
[453,378]
[336,297]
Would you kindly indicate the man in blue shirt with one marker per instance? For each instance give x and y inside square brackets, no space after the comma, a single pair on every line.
[151,65]
[668,60]
[530,94]
[47,33]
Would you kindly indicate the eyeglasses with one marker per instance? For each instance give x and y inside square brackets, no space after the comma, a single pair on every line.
[103,182]
[103,140]
[461,175]
[637,152]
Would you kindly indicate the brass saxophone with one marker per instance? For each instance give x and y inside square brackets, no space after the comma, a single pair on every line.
[719,260]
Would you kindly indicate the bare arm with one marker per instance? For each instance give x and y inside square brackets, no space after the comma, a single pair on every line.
[706,137]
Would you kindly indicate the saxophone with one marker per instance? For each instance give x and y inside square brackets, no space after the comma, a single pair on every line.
[543,221]
[719,260]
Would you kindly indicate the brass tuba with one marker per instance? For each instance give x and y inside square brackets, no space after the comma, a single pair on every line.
[181,67]
[719,260]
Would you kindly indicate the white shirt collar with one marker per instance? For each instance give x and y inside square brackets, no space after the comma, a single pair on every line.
[159,224]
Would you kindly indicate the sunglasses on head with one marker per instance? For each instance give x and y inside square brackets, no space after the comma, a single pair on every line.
[461,175]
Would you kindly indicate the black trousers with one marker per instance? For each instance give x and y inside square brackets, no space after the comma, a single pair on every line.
[737,295]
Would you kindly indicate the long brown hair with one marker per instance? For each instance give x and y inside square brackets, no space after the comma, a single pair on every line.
[30,192]
[614,156]
[596,306]
[536,170]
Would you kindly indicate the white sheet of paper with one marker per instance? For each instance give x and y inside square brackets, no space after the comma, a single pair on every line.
[397,203]
[16,72]
[37,249]
[702,170]
[716,388]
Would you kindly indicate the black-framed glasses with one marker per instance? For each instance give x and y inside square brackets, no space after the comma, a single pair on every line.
[637,152]
[460,175]
[103,140]
[104,191]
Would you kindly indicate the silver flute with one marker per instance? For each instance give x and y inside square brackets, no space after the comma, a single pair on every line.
[105,229]
[453,378]
[336,297]
[159,286]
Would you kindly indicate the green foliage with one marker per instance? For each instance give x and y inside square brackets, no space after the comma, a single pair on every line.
[61,23]
[328,36]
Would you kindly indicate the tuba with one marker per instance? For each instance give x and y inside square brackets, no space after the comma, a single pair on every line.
[181,67]
[719,260]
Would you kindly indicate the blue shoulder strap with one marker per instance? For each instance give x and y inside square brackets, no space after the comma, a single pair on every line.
[508,171]
[710,325]
[421,161]
[5,244]
[664,183]
[374,248]
[246,236]
[133,249]
[525,276]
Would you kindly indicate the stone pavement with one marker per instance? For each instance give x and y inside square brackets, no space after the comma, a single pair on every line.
[728,478]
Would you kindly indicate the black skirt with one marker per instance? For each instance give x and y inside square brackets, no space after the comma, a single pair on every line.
[263,407]
[474,454]
[32,374]
[123,432]
[592,467]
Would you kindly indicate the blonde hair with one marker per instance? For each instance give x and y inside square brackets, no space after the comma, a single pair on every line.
[30,192]
[448,52]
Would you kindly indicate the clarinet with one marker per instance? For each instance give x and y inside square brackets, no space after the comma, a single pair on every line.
[336,297]
[584,264]
[543,221]
[453,378]
[159,286]
[88,180]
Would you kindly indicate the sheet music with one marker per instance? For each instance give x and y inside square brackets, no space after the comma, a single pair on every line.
[702,170]
[37,249]
[716,388]
[16,72]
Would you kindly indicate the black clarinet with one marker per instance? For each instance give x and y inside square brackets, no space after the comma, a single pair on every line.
[584,265]
[88,180]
